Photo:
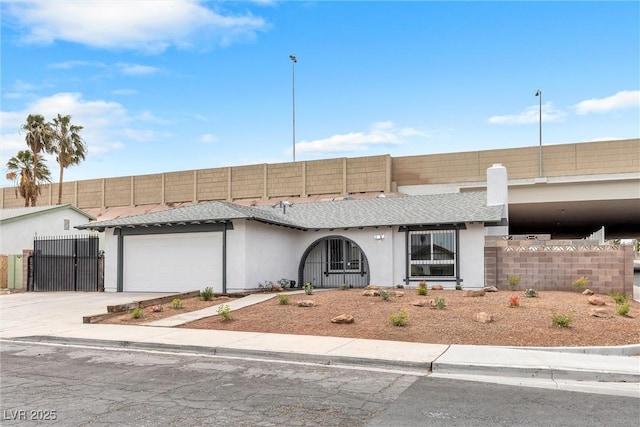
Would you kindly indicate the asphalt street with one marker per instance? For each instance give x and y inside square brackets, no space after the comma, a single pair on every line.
[81,386]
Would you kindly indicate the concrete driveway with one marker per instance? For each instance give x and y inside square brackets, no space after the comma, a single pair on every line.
[46,313]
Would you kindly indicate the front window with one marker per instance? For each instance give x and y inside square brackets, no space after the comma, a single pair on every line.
[432,253]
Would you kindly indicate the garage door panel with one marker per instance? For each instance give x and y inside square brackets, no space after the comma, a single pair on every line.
[173,262]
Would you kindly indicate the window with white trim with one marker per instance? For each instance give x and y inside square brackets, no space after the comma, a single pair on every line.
[432,253]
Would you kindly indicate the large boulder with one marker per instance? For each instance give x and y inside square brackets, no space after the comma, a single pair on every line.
[343,318]
[483,317]
[437,288]
[474,293]
[306,303]
[596,300]
[371,293]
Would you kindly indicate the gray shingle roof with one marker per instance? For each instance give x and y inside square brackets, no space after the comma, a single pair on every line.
[410,210]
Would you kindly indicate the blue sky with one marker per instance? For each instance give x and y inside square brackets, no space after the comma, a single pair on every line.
[174,85]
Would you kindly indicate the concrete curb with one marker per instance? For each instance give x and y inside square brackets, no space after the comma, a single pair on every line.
[420,368]
[619,350]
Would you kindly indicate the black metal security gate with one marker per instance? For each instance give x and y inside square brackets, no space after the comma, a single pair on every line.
[66,264]
[334,261]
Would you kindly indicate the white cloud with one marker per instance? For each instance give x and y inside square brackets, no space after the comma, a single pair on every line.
[208,138]
[67,65]
[381,133]
[136,69]
[124,92]
[621,100]
[141,135]
[531,115]
[144,25]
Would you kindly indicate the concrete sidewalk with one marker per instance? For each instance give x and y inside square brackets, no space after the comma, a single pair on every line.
[57,317]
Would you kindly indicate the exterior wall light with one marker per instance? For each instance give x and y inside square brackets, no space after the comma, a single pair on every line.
[378,237]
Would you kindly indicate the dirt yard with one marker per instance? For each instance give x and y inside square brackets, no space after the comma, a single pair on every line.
[529,324]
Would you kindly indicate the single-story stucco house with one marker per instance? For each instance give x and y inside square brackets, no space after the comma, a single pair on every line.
[230,247]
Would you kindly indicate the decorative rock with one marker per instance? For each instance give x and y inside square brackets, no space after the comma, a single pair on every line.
[157,308]
[306,303]
[476,293]
[419,302]
[343,318]
[596,300]
[398,294]
[490,289]
[277,288]
[371,293]
[587,292]
[437,287]
[600,312]
[372,287]
[483,317]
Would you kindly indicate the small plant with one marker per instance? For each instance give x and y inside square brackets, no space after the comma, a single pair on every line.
[619,298]
[176,303]
[399,318]
[562,320]
[206,294]
[439,303]
[308,288]
[137,313]
[422,288]
[622,309]
[400,286]
[283,299]
[344,287]
[531,293]
[580,283]
[513,281]
[458,286]
[385,294]
[514,301]
[225,312]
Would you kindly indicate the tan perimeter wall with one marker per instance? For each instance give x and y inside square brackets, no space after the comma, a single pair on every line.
[338,176]
[546,265]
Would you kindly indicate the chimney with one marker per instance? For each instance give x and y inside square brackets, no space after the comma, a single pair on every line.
[498,188]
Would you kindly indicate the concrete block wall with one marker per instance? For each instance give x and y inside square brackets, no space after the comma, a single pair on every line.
[325,176]
[179,187]
[554,264]
[89,193]
[247,181]
[118,191]
[147,189]
[364,174]
[213,184]
[285,179]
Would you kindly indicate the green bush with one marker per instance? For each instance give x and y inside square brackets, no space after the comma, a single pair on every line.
[385,294]
[400,286]
[513,281]
[531,293]
[439,303]
[344,287]
[623,309]
[422,288]
[137,313]
[207,294]
[308,288]
[580,283]
[619,298]
[283,299]
[458,286]
[400,318]
[562,320]
[225,312]
[176,303]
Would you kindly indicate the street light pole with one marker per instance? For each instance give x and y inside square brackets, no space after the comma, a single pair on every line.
[539,95]
[293,100]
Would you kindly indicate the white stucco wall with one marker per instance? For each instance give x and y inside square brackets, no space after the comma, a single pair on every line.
[471,255]
[16,235]
[110,261]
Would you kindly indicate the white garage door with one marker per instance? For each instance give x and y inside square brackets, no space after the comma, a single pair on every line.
[173,262]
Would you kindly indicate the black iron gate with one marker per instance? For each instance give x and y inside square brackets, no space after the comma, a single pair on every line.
[332,262]
[66,264]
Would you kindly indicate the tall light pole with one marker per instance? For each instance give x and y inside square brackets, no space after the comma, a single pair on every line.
[539,95]
[293,100]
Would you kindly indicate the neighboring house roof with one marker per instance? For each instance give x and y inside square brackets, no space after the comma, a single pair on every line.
[410,210]
[18,214]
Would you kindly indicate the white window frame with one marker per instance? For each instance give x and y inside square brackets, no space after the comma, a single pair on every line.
[433,261]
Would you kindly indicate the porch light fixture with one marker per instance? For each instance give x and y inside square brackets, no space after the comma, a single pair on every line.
[378,237]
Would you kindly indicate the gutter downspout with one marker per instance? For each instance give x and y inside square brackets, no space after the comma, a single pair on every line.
[224,258]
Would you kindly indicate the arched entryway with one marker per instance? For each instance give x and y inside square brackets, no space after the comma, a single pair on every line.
[332,261]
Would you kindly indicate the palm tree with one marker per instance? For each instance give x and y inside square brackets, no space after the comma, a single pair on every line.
[38,137]
[67,145]
[21,169]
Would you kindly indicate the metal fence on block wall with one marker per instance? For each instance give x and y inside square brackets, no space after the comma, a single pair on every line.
[65,264]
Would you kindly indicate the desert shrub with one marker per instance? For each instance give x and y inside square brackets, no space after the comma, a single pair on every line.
[580,283]
[399,318]
[622,309]
[344,287]
[458,286]
[422,288]
[562,320]
[308,288]
[513,281]
[619,298]
[176,303]
[206,294]
[137,313]
[385,294]
[531,293]
[283,299]
[400,286]
[439,303]
[514,301]
[225,312]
